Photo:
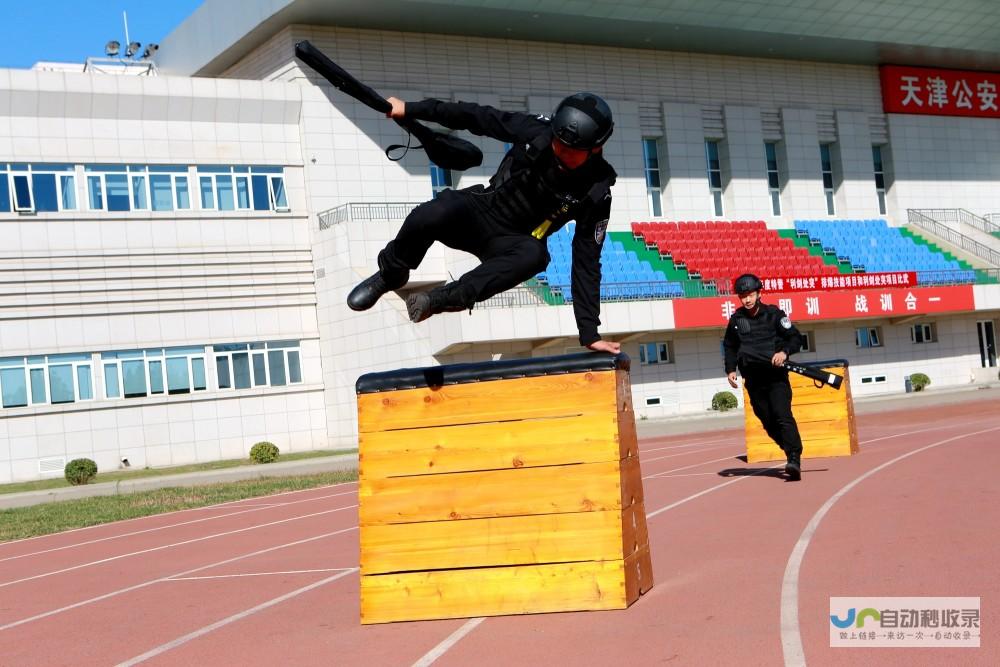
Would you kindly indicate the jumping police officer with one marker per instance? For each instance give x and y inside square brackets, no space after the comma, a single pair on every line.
[554,173]
[759,338]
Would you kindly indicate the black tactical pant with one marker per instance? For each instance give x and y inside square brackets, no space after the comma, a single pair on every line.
[508,257]
[771,399]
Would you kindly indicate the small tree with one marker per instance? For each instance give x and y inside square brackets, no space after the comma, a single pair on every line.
[264,452]
[919,381]
[80,471]
[724,400]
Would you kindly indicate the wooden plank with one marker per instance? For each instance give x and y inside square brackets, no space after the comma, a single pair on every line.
[526,589]
[631,482]
[634,532]
[821,448]
[638,574]
[808,431]
[628,441]
[810,412]
[516,540]
[499,400]
[492,446]
[586,487]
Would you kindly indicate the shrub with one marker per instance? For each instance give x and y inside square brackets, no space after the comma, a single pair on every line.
[264,452]
[80,471]
[724,400]
[919,381]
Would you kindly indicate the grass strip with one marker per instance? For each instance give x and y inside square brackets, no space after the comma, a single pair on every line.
[22,522]
[122,475]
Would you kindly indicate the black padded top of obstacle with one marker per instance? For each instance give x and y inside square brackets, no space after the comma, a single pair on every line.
[438,376]
[829,363]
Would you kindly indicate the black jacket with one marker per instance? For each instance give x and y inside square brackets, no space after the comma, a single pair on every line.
[529,188]
[750,342]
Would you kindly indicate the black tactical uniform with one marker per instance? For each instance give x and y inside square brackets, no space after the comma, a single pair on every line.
[749,344]
[505,224]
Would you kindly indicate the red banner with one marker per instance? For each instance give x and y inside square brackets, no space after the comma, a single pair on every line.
[940,92]
[844,281]
[834,305]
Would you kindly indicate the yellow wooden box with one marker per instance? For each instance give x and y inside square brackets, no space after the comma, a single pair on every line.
[500,488]
[825,417]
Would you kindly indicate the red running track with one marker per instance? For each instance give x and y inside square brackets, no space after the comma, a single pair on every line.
[274,580]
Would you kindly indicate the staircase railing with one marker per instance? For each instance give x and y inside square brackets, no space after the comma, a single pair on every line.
[921,218]
[365,212]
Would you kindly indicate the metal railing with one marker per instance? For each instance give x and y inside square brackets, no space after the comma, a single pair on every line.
[366,212]
[955,217]
[920,218]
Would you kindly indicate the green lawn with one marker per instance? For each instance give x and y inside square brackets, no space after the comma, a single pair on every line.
[48,518]
[116,475]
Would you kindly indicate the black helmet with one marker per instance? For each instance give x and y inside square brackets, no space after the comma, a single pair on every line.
[746,283]
[583,121]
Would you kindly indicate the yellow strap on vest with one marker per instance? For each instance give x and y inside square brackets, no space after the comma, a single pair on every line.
[540,230]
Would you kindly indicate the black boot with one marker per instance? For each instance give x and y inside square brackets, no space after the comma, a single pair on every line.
[367,293]
[793,468]
[448,299]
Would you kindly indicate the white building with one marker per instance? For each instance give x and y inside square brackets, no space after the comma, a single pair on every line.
[178,248]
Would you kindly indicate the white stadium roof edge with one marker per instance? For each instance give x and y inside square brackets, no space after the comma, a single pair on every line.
[958,34]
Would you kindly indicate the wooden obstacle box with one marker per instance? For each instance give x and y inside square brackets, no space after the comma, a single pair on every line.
[825,417]
[507,487]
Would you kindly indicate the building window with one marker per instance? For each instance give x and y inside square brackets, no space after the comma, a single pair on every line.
[826,162]
[807,344]
[247,365]
[168,188]
[923,333]
[159,188]
[654,353]
[873,379]
[868,337]
[52,379]
[879,178]
[714,175]
[37,188]
[137,373]
[440,180]
[651,163]
[773,182]
[226,188]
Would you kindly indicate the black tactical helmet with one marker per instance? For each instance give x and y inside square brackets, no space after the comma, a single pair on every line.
[583,121]
[747,283]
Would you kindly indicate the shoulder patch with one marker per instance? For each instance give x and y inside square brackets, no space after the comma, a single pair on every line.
[786,323]
[600,230]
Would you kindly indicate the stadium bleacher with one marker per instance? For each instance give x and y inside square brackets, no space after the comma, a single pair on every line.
[873,246]
[712,253]
[624,275]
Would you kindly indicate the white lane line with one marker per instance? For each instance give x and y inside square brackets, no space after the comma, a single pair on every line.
[260,574]
[171,545]
[150,582]
[791,637]
[692,444]
[650,515]
[448,642]
[180,641]
[671,456]
[252,508]
[688,467]
[155,516]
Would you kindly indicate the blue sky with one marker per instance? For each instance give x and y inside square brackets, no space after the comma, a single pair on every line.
[72,30]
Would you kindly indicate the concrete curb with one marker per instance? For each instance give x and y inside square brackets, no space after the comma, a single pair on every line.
[202,478]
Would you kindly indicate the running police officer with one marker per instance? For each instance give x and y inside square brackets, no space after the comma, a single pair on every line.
[759,338]
[554,173]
